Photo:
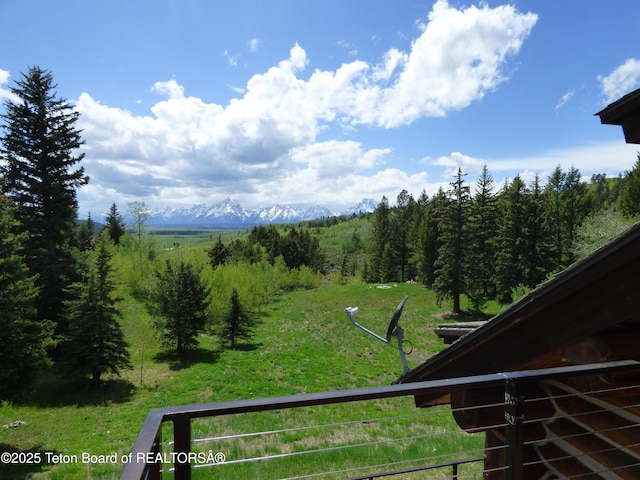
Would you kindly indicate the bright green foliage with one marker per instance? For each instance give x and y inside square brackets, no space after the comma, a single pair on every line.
[179,305]
[238,323]
[629,199]
[94,343]
[298,249]
[22,338]
[39,173]
[597,230]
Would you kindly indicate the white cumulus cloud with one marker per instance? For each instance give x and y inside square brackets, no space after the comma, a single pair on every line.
[189,151]
[622,80]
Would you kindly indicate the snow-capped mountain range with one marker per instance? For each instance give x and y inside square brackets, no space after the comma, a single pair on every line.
[229,213]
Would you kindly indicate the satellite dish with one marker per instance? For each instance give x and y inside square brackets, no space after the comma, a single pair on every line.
[393,325]
[393,331]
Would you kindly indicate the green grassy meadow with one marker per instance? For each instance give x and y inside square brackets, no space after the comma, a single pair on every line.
[304,343]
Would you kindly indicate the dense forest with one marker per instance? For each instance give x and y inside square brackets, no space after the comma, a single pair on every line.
[61,279]
[487,242]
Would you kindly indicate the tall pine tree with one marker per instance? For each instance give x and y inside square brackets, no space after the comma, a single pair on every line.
[483,216]
[94,343]
[381,257]
[511,241]
[450,265]
[40,174]
[179,305]
[115,224]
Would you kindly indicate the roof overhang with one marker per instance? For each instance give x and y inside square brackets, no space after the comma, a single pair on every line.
[624,112]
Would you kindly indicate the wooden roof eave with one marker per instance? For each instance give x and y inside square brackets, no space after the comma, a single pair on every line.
[624,112]
[597,292]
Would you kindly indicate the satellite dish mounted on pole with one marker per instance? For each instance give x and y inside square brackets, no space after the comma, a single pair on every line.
[394,331]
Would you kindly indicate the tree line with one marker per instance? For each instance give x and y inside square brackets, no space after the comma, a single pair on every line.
[487,242]
[297,248]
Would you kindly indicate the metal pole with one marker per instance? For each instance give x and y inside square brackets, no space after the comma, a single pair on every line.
[514,415]
[182,447]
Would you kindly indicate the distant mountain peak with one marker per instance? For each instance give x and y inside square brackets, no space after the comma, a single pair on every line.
[229,213]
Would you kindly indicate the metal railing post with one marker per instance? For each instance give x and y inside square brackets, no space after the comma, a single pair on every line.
[182,447]
[513,415]
[154,468]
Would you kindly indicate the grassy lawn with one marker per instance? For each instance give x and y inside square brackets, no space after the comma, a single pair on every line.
[303,344]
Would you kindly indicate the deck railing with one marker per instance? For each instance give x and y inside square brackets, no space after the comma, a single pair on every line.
[151,457]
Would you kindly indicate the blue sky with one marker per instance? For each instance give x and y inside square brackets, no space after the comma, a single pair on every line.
[327,102]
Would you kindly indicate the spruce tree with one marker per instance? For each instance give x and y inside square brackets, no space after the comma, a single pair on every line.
[430,239]
[553,214]
[380,241]
[511,241]
[538,239]
[115,224]
[218,254]
[401,226]
[94,343]
[238,324]
[85,234]
[451,262]
[23,339]
[40,174]
[483,216]
[179,305]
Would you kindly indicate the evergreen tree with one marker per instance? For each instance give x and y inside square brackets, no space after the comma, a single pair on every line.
[601,191]
[450,265]
[39,173]
[238,324]
[429,239]
[115,224]
[219,253]
[94,343]
[379,270]
[179,305]
[629,198]
[538,240]
[23,339]
[482,237]
[300,249]
[553,216]
[84,236]
[511,242]
[401,222]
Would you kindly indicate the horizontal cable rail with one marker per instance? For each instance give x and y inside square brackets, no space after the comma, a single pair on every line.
[428,444]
